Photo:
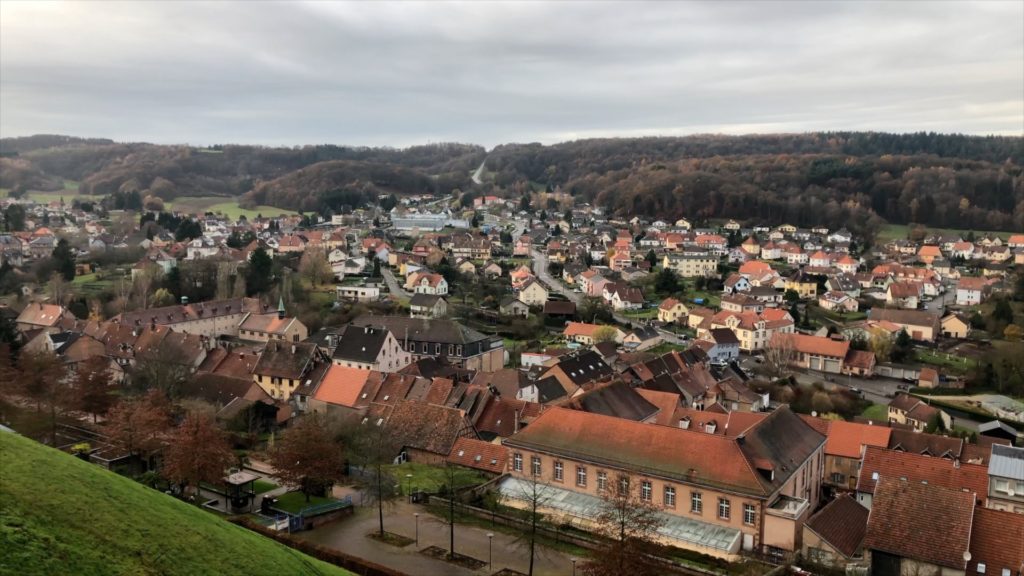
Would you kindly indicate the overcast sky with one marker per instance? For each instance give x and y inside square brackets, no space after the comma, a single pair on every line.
[489,72]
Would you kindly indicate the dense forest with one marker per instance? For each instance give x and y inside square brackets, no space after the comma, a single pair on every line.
[853,179]
[856,179]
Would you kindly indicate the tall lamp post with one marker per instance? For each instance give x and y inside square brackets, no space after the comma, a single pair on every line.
[573,567]
[408,485]
[417,515]
[490,556]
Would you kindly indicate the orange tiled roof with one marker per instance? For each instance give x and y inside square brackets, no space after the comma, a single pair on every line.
[342,385]
[846,438]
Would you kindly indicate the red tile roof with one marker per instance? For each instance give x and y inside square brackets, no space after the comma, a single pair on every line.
[921,522]
[342,385]
[846,438]
[921,469]
[689,456]
[842,523]
[473,453]
[815,345]
[997,541]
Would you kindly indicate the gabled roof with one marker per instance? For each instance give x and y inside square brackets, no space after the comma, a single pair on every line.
[688,456]
[845,439]
[439,330]
[473,453]
[921,522]
[880,463]
[1007,462]
[842,523]
[278,359]
[427,427]
[38,314]
[616,399]
[997,542]
[342,385]
[360,344]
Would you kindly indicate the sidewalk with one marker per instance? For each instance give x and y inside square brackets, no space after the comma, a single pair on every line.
[349,536]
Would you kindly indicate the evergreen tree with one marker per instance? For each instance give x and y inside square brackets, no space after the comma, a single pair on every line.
[64,258]
[259,276]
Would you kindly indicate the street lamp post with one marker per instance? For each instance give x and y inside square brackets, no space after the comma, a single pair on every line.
[408,484]
[573,567]
[490,557]
[417,515]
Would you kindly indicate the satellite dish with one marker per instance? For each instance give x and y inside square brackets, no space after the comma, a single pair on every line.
[967,555]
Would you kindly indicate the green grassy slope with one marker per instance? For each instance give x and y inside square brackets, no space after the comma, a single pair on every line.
[60,515]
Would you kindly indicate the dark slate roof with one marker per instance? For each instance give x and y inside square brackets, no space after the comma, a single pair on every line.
[783,439]
[724,336]
[279,360]
[585,366]
[617,399]
[360,344]
[549,389]
[424,300]
[842,523]
[560,307]
[423,329]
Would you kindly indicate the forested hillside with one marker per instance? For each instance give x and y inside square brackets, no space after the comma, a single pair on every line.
[856,179]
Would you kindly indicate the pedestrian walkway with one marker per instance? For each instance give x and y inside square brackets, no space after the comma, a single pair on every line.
[349,536]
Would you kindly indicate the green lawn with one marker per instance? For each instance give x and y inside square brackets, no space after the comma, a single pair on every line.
[645,314]
[900,231]
[70,193]
[294,502]
[261,486]
[61,515]
[225,206]
[877,412]
[959,364]
[430,478]
[84,278]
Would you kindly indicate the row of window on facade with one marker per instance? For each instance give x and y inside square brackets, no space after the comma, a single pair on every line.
[646,488]
[453,350]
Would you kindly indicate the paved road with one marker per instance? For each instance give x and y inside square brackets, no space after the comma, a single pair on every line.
[349,535]
[478,173]
[877,390]
[540,268]
[393,286]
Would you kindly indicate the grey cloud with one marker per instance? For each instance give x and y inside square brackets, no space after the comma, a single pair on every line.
[491,72]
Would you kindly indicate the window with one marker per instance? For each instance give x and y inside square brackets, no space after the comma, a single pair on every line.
[581,476]
[437,348]
[696,506]
[748,514]
[818,556]
[623,485]
[645,490]
[670,497]
[1002,485]
[838,478]
[558,471]
[602,481]
[723,508]
[535,462]
[424,347]
[517,462]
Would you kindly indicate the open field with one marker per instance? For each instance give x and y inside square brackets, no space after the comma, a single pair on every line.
[61,514]
[226,206]
[900,231]
[430,478]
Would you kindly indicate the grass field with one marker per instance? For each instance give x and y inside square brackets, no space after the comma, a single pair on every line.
[227,207]
[430,478]
[295,502]
[900,231]
[61,515]
[877,412]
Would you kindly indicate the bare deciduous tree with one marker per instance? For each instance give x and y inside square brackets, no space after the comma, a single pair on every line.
[630,523]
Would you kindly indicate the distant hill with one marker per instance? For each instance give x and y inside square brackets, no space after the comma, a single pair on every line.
[60,515]
[856,179]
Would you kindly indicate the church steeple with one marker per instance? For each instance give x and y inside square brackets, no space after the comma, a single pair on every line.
[280,308]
